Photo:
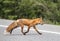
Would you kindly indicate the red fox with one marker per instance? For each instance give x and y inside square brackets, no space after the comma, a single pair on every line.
[21,22]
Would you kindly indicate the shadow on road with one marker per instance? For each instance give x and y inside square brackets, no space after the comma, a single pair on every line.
[21,34]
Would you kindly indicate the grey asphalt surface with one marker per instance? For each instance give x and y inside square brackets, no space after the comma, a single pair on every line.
[32,35]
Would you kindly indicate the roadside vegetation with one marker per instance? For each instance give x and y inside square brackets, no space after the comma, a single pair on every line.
[15,9]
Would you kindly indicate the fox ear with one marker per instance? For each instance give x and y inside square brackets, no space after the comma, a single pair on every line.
[40,17]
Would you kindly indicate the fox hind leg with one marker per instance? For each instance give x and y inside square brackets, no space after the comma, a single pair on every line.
[27,30]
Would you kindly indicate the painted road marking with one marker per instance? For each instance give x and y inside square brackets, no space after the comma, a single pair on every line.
[39,30]
[3,26]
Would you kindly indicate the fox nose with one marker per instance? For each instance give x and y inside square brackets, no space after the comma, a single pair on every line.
[42,23]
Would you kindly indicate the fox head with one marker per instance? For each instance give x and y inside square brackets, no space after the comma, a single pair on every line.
[39,21]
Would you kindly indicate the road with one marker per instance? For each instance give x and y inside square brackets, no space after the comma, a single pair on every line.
[49,33]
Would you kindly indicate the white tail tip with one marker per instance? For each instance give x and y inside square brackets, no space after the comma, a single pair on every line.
[5,32]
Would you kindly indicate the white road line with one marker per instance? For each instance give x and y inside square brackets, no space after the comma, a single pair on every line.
[49,32]
[39,30]
[3,26]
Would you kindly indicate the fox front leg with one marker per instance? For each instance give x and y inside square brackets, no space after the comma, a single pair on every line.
[37,30]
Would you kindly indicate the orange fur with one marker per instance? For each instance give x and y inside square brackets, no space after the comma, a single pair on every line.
[21,22]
